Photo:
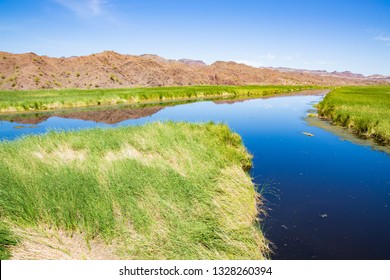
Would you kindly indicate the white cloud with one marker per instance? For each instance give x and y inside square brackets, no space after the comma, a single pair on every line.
[267,56]
[321,62]
[266,59]
[96,6]
[382,38]
[274,57]
[85,8]
[286,57]
[249,62]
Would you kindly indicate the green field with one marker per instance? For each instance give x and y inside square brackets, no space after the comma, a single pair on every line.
[159,191]
[12,101]
[365,110]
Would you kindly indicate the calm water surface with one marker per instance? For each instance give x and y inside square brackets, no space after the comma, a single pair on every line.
[328,198]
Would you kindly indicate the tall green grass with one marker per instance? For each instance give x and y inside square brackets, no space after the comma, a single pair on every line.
[365,110]
[159,191]
[7,240]
[67,98]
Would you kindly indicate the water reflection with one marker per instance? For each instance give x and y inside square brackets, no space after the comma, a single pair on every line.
[111,116]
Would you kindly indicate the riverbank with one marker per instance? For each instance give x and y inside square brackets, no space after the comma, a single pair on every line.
[158,191]
[363,110]
[39,100]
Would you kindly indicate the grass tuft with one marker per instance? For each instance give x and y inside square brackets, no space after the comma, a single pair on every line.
[159,191]
[365,110]
[7,240]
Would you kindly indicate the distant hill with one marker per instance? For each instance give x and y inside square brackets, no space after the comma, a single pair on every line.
[112,70]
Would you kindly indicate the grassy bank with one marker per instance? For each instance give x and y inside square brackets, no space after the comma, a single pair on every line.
[365,110]
[159,191]
[12,101]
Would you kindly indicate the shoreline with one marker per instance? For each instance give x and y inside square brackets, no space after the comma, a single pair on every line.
[168,102]
[43,101]
[361,110]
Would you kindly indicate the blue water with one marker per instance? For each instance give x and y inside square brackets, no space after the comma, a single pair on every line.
[327,198]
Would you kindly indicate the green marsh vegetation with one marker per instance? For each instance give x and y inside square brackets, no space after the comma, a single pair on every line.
[158,191]
[6,239]
[365,110]
[12,101]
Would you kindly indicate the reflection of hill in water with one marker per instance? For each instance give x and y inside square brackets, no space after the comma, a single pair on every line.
[242,99]
[35,119]
[113,116]
[109,116]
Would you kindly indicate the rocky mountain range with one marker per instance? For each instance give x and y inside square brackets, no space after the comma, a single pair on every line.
[113,70]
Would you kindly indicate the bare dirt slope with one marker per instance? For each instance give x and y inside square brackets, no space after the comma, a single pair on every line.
[112,70]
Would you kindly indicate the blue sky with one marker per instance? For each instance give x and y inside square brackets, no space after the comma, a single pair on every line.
[309,34]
